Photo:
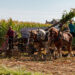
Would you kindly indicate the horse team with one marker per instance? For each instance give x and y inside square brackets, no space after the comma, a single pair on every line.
[51,40]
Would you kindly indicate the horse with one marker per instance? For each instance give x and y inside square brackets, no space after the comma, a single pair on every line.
[60,39]
[39,39]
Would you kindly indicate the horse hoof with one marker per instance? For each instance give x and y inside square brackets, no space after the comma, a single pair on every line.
[60,56]
[69,56]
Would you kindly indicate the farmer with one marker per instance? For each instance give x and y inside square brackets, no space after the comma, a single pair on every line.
[71,27]
[10,34]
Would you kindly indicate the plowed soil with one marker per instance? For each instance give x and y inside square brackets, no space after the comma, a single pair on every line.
[61,66]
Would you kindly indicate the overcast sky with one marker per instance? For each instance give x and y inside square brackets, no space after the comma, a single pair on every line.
[34,10]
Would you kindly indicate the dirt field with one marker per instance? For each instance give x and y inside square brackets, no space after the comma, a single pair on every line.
[63,66]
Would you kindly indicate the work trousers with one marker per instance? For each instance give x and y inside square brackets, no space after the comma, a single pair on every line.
[10,42]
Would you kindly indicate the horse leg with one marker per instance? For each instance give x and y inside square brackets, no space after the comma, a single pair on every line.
[70,53]
[59,53]
[54,53]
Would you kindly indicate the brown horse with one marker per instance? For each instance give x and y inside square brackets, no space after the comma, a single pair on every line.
[60,39]
[38,40]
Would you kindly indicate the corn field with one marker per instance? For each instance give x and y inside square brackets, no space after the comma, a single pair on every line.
[16,25]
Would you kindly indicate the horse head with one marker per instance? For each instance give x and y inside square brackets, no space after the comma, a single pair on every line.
[33,35]
[53,32]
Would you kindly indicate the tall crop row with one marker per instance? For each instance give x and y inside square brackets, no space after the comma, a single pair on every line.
[16,25]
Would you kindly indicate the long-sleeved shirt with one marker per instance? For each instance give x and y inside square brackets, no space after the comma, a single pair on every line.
[71,27]
[10,33]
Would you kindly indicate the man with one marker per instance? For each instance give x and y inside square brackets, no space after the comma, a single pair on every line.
[71,27]
[10,34]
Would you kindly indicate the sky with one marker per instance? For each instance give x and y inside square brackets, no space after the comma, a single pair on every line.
[34,10]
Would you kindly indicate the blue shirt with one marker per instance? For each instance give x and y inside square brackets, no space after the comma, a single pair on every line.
[71,26]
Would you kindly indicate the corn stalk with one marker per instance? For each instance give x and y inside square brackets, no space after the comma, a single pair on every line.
[65,18]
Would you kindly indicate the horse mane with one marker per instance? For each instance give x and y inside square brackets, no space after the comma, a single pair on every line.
[54,30]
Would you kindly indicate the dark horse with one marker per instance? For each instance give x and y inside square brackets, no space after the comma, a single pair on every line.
[60,39]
